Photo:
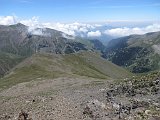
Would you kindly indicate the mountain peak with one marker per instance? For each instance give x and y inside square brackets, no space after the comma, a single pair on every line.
[18,25]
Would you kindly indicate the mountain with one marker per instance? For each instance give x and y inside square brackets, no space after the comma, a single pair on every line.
[18,42]
[138,53]
[8,61]
[19,39]
[51,75]
[97,45]
[50,66]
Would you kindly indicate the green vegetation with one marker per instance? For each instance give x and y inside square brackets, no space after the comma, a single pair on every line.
[137,53]
[49,66]
[81,67]
[92,65]
[8,61]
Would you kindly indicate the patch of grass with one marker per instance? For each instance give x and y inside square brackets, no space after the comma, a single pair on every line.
[93,83]
[7,98]
[47,93]
[8,61]
[26,74]
[83,68]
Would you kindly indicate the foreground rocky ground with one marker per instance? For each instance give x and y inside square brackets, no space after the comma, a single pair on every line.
[83,98]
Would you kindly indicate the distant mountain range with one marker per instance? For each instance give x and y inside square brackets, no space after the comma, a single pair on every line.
[17,39]
[138,53]
[18,42]
[47,74]
[30,53]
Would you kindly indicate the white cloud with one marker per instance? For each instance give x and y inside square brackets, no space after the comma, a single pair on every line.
[128,31]
[7,20]
[79,29]
[39,31]
[83,29]
[153,28]
[68,36]
[33,23]
[61,27]
[94,34]
[71,28]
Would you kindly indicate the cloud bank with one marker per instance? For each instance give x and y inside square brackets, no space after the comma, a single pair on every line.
[136,30]
[80,29]
[8,20]
[94,34]
[39,31]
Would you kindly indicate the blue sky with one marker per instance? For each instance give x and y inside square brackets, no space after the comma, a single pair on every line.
[82,10]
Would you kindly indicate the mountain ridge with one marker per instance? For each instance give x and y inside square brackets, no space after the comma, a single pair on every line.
[138,53]
[50,66]
[22,41]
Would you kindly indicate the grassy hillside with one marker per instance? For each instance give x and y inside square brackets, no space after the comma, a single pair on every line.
[7,61]
[48,66]
[92,65]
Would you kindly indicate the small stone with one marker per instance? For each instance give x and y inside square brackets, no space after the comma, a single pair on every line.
[23,115]
[51,98]
[147,112]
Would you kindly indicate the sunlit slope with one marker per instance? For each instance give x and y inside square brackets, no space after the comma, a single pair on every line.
[49,66]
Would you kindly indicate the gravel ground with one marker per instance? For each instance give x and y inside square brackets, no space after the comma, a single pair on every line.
[69,99]
[57,99]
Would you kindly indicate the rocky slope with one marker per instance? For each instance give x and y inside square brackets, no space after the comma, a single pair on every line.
[138,53]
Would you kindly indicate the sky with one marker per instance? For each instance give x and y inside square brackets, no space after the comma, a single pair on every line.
[82,10]
[85,18]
